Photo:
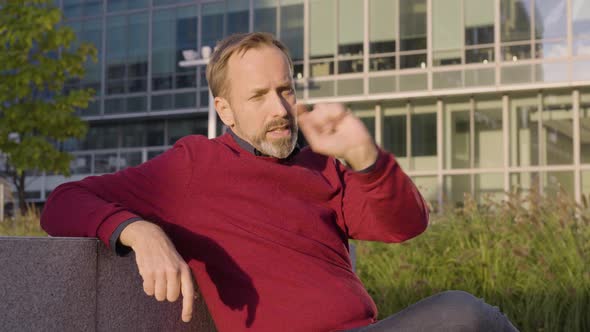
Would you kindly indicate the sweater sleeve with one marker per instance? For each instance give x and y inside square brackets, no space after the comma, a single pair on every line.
[97,205]
[382,204]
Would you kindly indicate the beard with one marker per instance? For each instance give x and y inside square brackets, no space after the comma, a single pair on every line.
[280,147]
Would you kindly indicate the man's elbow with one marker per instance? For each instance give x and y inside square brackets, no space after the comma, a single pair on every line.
[54,209]
[414,225]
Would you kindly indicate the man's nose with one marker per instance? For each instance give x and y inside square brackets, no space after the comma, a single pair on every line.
[280,106]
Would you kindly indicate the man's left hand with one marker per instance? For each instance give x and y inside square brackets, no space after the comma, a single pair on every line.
[332,130]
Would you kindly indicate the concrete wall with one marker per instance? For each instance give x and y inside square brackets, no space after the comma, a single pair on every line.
[75,284]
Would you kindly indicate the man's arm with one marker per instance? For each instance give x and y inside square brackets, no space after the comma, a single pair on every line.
[97,206]
[380,201]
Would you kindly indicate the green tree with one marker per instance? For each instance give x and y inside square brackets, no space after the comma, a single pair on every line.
[38,55]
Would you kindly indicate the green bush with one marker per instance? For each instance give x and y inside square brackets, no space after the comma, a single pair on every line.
[529,255]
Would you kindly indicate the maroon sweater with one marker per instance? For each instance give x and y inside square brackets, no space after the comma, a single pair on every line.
[266,239]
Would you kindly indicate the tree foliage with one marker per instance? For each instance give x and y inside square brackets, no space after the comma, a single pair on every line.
[37,59]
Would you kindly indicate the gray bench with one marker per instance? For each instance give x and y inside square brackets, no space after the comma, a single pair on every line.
[76,284]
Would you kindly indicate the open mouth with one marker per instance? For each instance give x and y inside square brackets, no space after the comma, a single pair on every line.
[280,131]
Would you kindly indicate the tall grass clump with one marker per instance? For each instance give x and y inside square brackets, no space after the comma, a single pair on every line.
[22,225]
[528,255]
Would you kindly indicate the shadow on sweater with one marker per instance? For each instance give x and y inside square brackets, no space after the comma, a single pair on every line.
[234,286]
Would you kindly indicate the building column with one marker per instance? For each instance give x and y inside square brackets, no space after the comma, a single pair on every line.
[577,146]
[439,151]
[506,140]
[379,124]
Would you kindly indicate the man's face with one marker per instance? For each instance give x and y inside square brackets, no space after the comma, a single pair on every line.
[262,100]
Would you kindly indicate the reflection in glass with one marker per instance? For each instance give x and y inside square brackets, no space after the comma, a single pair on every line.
[428,188]
[382,63]
[350,28]
[413,82]
[127,53]
[382,26]
[457,137]
[120,5]
[550,19]
[322,28]
[447,32]
[489,187]
[524,183]
[479,55]
[129,159]
[412,25]
[557,130]
[212,16]
[516,16]
[81,164]
[456,186]
[585,127]
[142,134]
[551,49]
[174,30]
[292,27]
[265,16]
[581,26]
[413,61]
[488,133]
[350,87]
[516,52]
[366,113]
[479,22]
[586,184]
[106,163]
[554,182]
[394,134]
[424,133]
[238,16]
[524,131]
[183,127]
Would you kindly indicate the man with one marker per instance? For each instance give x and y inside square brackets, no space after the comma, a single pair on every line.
[262,226]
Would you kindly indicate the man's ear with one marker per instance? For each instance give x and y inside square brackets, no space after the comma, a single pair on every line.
[224,111]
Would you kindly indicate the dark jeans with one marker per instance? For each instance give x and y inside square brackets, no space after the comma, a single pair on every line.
[453,311]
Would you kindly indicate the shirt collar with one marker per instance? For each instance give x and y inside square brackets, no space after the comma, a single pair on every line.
[248,147]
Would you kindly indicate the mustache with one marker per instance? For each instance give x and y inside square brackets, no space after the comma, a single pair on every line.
[279,123]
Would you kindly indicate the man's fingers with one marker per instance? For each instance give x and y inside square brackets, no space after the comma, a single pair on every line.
[173,284]
[161,287]
[301,109]
[148,285]
[188,294]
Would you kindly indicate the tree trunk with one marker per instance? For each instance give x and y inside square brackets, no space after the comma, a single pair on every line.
[19,181]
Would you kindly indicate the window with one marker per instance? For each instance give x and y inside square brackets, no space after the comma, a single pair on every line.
[127,53]
[581,26]
[174,30]
[265,16]
[291,32]
[412,33]
[383,25]
[238,16]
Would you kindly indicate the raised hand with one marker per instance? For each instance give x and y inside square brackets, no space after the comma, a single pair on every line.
[332,130]
[165,273]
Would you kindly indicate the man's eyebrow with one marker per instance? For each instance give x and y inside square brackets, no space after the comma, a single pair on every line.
[259,91]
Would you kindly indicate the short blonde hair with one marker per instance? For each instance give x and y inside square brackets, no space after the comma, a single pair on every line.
[236,44]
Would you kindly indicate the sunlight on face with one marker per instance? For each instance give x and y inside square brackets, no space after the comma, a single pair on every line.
[262,100]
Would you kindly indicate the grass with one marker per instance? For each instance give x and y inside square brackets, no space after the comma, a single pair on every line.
[25,225]
[529,255]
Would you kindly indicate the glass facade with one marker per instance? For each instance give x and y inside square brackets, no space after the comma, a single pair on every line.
[471,96]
